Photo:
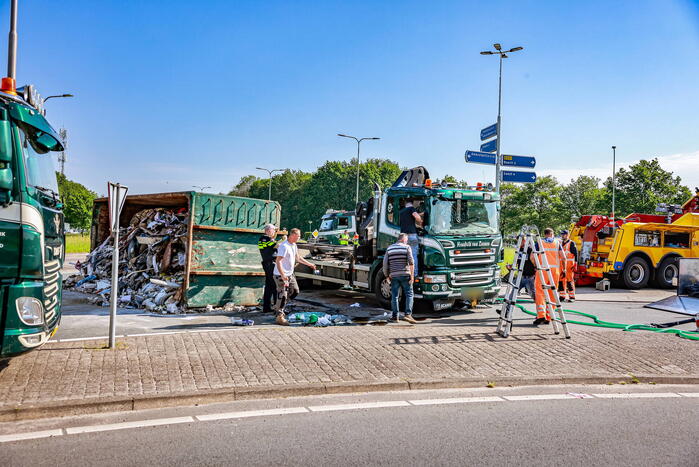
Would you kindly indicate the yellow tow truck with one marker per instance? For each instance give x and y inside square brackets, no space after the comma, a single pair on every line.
[639,248]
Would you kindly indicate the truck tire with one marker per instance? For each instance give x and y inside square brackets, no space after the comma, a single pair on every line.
[636,273]
[382,290]
[667,270]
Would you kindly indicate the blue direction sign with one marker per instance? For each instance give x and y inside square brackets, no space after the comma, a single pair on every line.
[518,177]
[489,132]
[480,157]
[490,146]
[518,161]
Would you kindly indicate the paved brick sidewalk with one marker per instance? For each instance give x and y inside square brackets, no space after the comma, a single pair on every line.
[169,365]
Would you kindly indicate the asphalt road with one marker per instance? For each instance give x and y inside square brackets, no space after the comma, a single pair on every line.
[501,430]
[83,320]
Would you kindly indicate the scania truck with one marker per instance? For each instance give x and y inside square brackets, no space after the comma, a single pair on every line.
[31,218]
[459,247]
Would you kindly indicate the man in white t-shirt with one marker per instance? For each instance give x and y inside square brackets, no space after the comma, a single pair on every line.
[284,263]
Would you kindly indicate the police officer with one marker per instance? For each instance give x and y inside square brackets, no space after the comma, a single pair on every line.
[268,251]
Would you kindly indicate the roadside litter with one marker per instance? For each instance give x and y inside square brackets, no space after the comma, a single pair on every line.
[151,263]
[317,319]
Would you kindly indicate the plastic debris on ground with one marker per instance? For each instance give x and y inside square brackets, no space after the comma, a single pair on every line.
[151,263]
[317,319]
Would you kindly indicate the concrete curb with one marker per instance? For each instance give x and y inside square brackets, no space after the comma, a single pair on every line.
[125,404]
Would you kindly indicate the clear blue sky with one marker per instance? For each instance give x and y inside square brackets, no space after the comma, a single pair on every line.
[172,94]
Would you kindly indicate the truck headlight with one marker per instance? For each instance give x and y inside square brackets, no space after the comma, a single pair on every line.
[30,311]
[434,278]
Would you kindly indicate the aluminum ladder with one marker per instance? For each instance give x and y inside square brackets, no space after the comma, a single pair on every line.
[529,238]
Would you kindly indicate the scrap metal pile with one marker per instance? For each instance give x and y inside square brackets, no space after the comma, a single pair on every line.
[152,258]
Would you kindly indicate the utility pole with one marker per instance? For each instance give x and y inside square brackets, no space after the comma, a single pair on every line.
[270,172]
[502,54]
[12,43]
[359,141]
[63,134]
[613,186]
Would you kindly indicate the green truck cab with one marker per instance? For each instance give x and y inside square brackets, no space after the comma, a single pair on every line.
[337,228]
[460,244]
[31,223]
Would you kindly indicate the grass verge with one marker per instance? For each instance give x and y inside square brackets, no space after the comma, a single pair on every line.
[77,243]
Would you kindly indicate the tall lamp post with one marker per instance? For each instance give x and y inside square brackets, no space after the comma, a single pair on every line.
[57,95]
[270,172]
[359,141]
[502,54]
[613,186]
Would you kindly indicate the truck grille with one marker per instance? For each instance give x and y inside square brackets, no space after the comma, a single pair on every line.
[52,274]
[471,278]
[464,258]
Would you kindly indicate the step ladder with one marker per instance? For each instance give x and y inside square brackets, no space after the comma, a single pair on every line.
[529,238]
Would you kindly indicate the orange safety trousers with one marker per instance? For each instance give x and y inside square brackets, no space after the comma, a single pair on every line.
[568,282]
[551,252]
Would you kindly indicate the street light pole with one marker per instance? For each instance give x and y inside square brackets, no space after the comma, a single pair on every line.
[270,172]
[359,141]
[57,95]
[502,54]
[613,185]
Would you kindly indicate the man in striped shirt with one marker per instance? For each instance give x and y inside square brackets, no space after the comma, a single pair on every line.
[399,269]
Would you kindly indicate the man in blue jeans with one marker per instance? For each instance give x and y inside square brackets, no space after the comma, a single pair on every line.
[410,220]
[398,267]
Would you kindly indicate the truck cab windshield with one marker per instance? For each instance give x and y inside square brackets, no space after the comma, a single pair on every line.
[39,167]
[462,216]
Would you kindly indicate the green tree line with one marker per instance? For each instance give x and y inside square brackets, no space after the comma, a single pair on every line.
[77,202]
[305,196]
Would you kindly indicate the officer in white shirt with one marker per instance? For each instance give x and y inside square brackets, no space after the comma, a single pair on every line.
[284,263]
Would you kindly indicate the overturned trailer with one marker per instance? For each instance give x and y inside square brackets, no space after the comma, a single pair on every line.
[218,243]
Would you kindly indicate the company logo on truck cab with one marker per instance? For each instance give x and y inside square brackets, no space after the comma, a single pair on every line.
[474,243]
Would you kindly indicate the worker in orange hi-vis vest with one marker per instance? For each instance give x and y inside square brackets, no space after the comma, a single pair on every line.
[571,254]
[556,260]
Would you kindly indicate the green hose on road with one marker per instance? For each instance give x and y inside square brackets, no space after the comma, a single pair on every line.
[693,335]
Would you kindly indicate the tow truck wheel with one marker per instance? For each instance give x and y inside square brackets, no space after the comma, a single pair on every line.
[636,273]
[382,290]
[667,271]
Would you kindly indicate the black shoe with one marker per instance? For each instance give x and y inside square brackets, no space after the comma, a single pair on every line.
[546,321]
[538,321]
[393,319]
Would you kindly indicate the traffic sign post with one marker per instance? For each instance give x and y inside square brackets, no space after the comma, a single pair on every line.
[476,157]
[518,161]
[514,176]
[115,200]
[490,146]
[489,132]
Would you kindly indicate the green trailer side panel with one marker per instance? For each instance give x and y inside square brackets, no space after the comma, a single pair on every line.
[225,251]
[225,264]
[234,212]
[219,290]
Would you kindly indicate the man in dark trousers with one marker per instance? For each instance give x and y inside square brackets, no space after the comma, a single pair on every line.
[410,220]
[268,251]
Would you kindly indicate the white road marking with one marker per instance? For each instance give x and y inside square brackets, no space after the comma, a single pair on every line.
[636,395]
[329,408]
[359,405]
[77,339]
[250,413]
[30,435]
[456,400]
[541,397]
[136,424]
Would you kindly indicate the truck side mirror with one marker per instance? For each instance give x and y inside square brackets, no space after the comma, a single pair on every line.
[5,157]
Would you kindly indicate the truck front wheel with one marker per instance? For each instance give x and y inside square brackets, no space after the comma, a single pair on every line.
[382,290]
[667,271]
[636,273]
